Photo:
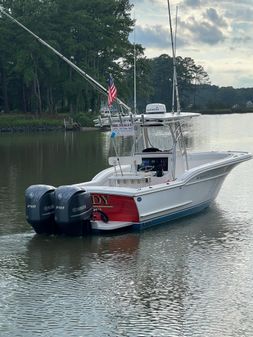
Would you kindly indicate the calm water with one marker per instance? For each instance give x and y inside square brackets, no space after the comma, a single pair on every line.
[192,277]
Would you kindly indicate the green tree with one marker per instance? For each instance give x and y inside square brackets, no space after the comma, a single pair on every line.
[188,75]
[94,34]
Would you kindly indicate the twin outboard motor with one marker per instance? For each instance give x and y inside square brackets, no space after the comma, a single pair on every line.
[40,208]
[73,210]
[65,210]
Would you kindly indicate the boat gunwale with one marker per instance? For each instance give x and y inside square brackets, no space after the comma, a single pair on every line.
[231,160]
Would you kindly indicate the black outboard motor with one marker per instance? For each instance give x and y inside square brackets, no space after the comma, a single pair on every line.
[73,210]
[40,208]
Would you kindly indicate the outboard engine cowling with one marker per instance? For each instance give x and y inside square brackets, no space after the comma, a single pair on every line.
[73,210]
[40,208]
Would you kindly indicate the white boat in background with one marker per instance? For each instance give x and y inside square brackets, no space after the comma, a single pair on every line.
[103,120]
[149,186]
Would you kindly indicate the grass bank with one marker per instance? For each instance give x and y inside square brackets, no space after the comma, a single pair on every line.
[25,122]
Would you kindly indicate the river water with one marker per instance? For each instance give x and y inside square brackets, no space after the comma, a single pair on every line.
[190,277]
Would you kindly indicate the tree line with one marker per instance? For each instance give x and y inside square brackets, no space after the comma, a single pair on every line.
[95,36]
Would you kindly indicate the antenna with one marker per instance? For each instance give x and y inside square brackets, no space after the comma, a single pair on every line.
[89,79]
[174,74]
[175,83]
[135,98]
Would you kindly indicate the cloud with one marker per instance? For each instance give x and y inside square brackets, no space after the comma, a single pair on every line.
[241,14]
[217,34]
[242,40]
[213,16]
[204,31]
[192,3]
[207,33]
[156,37]
[215,3]
[244,81]
[153,36]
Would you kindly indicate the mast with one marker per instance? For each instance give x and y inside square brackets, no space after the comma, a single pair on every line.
[88,78]
[175,84]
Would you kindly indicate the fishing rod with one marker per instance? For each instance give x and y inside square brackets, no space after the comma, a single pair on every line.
[89,79]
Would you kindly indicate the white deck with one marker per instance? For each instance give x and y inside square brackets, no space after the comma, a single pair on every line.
[127,180]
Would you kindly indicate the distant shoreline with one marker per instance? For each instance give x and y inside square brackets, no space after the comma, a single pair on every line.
[24,129]
[22,123]
[223,112]
[29,129]
[29,123]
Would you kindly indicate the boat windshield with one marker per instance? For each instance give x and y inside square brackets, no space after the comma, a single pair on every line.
[155,137]
[143,139]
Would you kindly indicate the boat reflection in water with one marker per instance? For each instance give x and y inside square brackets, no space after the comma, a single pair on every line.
[51,252]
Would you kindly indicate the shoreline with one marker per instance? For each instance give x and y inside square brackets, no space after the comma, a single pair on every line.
[28,129]
[21,123]
[24,124]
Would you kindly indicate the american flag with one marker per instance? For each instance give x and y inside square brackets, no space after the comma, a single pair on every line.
[112,91]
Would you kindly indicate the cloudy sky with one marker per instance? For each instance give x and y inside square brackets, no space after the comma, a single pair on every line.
[217,34]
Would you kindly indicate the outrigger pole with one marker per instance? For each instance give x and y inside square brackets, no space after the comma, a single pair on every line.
[175,83]
[88,78]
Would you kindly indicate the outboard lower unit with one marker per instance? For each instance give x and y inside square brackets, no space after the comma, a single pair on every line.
[73,210]
[40,208]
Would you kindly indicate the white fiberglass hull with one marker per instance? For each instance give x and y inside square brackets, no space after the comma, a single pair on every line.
[152,205]
[172,203]
[116,199]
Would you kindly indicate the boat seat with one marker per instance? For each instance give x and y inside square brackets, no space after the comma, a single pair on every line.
[126,160]
[130,180]
[166,177]
[151,149]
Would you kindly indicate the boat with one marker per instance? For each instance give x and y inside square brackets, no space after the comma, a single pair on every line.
[103,120]
[149,186]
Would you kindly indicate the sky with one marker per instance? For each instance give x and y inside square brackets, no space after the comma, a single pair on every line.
[217,34]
